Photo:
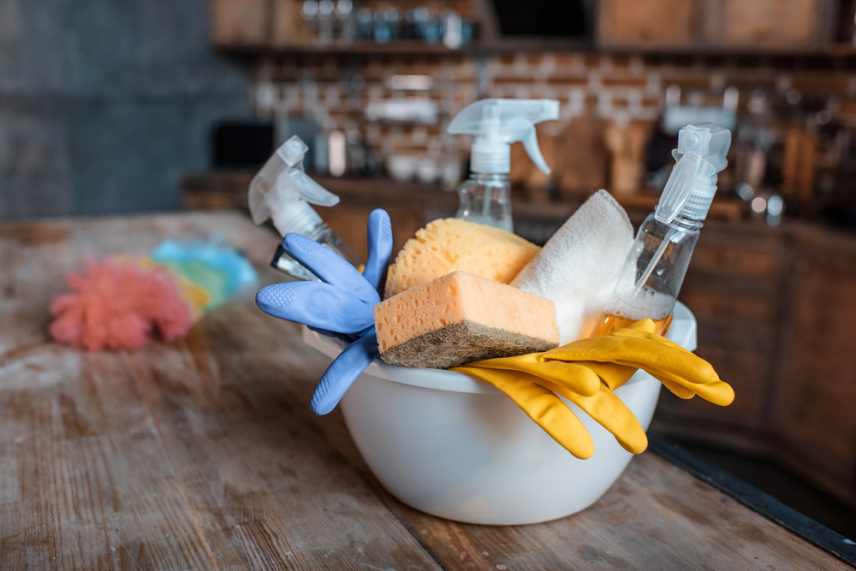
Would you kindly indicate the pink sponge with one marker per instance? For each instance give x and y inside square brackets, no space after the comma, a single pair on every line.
[118,305]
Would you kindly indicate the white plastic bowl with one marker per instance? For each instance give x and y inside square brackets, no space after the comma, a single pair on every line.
[457,448]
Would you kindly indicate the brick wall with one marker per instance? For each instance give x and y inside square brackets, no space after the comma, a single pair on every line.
[609,86]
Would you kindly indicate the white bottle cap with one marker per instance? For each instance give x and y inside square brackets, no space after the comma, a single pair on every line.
[701,154]
[496,124]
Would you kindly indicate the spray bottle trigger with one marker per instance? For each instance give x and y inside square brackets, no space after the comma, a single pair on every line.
[311,191]
[259,210]
[530,143]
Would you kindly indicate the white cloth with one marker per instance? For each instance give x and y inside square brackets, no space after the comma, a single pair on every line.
[578,268]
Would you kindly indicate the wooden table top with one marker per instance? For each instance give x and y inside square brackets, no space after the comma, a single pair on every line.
[203,454]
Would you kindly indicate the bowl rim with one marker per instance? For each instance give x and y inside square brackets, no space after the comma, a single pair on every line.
[682,332]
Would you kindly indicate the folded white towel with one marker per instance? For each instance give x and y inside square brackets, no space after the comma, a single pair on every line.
[580,265]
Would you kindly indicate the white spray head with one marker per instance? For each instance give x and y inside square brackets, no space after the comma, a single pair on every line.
[701,154]
[281,190]
[496,124]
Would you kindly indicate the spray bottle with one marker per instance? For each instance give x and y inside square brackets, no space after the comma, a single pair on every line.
[495,124]
[658,261]
[281,190]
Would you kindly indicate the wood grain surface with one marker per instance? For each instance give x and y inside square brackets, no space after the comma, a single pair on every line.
[202,454]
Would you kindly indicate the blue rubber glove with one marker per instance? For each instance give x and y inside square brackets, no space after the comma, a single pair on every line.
[343,371]
[341,303]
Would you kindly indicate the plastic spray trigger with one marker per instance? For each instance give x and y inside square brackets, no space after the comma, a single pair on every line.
[281,190]
[497,123]
[701,154]
[530,143]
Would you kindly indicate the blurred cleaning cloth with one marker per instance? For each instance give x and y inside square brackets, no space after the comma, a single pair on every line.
[579,266]
[122,302]
[586,372]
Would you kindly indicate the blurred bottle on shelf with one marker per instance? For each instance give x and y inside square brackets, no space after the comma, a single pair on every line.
[454,34]
[326,21]
[363,24]
[344,25]
[386,25]
[344,21]
[309,10]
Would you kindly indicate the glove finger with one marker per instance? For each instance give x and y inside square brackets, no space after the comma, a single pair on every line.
[611,413]
[638,352]
[317,305]
[380,247]
[329,266]
[719,393]
[539,404]
[678,390]
[576,377]
[342,373]
[610,374]
[614,376]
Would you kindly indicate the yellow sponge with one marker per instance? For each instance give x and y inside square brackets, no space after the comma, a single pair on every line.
[449,245]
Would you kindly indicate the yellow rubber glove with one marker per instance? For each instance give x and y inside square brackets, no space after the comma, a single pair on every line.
[532,381]
[614,375]
[610,412]
[660,357]
[528,392]
[578,378]
[539,404]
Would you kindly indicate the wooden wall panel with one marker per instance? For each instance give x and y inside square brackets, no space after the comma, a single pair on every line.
[784,23]
[240,23]
[653,22]
[816,382]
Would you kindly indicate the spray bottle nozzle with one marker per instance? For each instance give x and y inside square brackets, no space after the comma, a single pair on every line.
[710,141]
[497,123]
[292,151]
[701,154]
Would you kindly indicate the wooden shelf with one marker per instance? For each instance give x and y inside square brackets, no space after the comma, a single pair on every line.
[359,49]
[832,53]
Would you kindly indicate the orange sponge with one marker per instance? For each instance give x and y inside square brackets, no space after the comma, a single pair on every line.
[461,318]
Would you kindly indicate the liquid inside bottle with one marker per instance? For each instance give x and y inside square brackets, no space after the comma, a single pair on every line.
[609,322]
[652,305]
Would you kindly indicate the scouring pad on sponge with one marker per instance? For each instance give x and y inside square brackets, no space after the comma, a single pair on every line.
[459,318]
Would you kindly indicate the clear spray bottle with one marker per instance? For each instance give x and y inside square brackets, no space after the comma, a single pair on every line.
[658,261]
[283,191]
[495,124]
